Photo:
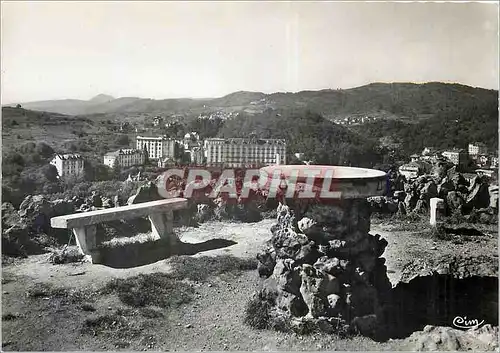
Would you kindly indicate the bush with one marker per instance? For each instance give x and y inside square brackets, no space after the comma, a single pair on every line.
[257,312]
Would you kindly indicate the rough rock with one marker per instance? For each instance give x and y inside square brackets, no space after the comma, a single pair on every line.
[36,212]
[204,213]
[305,224]
[421,206]
[107,203]
[95,200]
[67,255]
[411,200]
[454,201]
[438,338]
[459,267]
[332,272]
[145,193]
[15,241]
[365,325]
[401,209]
[479,197]
[10,217]
[429,190]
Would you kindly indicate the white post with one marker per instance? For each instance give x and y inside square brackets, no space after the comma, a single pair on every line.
[436,204]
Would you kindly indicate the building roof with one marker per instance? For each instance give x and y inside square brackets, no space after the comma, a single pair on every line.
[248,141]
[417,164]
[481,144]
[68,156]
[454,150]
[127,151]
[159,138]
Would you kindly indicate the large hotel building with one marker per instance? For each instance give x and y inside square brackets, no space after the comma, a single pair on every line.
[125,158]
[68,164]
[243,152]
[158,147]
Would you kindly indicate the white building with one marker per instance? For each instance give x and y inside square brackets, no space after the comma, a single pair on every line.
[456,156]
[158,147]
[191,140]
[477,148]
[68,164]
[244,152]
[494,162]
[125,158]
[197,155]
[157,121]
[414,169]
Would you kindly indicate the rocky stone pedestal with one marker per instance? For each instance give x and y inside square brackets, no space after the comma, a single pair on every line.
[323,268]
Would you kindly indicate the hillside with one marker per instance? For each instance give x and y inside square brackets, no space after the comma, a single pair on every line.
[321,140]
[461,123]
[385,100]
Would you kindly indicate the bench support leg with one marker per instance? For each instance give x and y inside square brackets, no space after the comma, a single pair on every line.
[87,241]
[162,226]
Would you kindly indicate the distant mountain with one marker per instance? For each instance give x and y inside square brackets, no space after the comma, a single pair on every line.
[102,98]
[63,106]
[384,100]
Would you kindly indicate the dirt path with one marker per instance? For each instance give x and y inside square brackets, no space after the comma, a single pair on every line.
[212,321]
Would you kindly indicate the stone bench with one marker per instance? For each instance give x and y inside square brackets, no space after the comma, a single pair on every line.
[84,225]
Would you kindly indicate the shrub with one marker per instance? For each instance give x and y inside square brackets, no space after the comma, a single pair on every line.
[257,311]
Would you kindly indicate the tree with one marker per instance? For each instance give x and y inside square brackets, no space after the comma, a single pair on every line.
[122,140]
[50,172]
[44,150]
[117,169]
[146,155]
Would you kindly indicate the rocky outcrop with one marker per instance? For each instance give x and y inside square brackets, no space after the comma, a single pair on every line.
[457,266]
[36,211]
[28,230]
[324,269]
[145,193]
[462,198]
[10,217]
[438,338]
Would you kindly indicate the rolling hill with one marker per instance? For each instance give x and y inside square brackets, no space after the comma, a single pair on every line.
[400,100]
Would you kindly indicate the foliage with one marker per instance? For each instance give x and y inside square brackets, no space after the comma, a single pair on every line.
[456,127]
[50,172]
[122,140]
[257,312]
[319,139]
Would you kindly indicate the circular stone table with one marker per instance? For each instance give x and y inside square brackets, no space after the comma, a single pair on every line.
[323,269]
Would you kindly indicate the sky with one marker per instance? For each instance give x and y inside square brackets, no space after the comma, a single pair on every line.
[59,50]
